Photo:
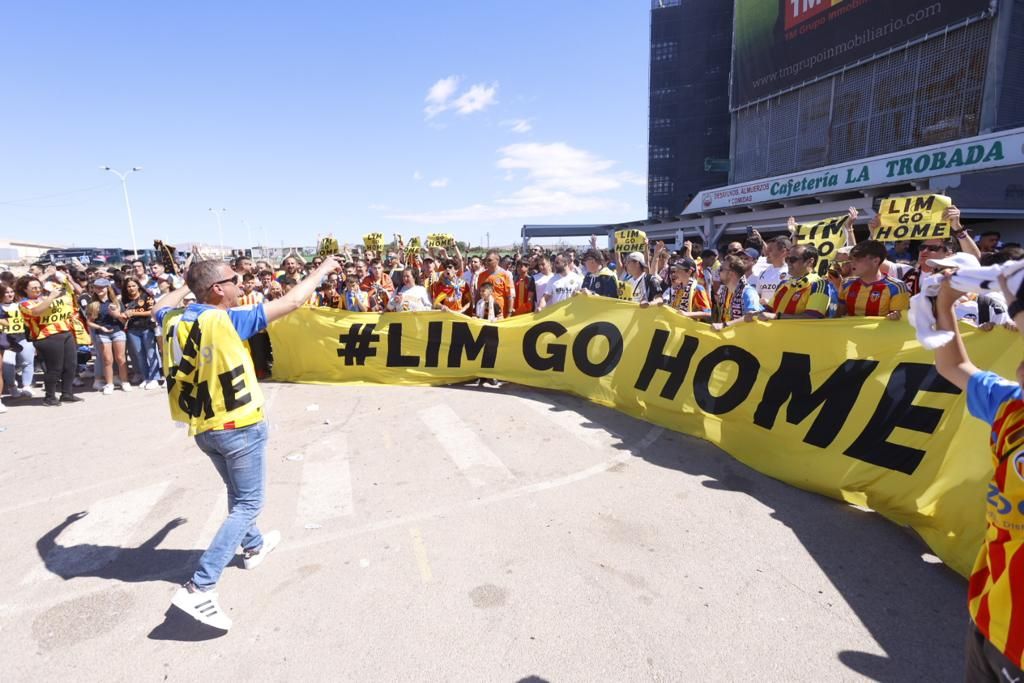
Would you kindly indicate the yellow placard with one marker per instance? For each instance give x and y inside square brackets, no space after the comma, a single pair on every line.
[413,246]
[827,236]
[328,246]
[914,218]
[859,414]
[627,241]
[440,239]
[374,241]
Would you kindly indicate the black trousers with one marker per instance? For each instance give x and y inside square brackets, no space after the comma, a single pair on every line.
[60,357]
[986,663]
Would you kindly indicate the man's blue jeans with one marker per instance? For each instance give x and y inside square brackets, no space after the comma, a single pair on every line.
[240,458]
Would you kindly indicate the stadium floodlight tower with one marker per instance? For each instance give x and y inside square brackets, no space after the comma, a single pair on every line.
[127,204]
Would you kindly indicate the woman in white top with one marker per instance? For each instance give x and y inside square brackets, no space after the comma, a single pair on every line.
[412,296]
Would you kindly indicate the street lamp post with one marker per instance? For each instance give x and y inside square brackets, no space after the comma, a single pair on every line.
[128,205]
[220,229]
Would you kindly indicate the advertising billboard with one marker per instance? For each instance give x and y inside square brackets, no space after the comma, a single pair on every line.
[779,44]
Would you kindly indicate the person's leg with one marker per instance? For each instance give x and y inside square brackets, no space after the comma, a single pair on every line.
[26,360]
[241,453]
[98,370]
[151,353]
[52,353]
[133,343]
[122,363]
[9,361]
[69,363]
[103,350]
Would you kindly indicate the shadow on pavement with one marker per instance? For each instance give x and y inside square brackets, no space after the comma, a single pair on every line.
[916,611]
[131,565]
[181,627]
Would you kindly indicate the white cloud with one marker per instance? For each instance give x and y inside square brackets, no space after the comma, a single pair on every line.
[477,98]
[439,182]
[518,125]
[439,94]
[417,176]
[560,180]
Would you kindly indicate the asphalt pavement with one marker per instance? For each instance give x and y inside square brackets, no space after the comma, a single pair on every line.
[450,534]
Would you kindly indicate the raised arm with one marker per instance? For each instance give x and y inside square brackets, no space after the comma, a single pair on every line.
[951,360]
[170,300]
[967,245]
[298,294]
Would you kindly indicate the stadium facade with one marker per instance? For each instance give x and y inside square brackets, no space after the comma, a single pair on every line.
[830,104]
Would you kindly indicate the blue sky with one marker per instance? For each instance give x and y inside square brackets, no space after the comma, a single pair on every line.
[305,118]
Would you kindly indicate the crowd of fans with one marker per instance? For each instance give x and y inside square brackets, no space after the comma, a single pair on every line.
[59,316]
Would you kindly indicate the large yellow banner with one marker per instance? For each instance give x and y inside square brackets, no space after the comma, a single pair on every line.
[850,408]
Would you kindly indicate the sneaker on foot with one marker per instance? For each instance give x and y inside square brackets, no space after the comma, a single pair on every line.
[108,389]
[77,382]
[70,398]
[151,384]
[126,386]
[252,558]
[201,606]
[27,393]
[98,385]
[3,408]
[51,401]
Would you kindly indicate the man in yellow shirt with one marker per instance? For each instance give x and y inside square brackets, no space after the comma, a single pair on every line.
[212,387]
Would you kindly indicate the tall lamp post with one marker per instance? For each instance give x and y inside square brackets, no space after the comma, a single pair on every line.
[127,204]
[220,229]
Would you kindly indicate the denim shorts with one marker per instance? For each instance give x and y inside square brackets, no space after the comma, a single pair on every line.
[108,337]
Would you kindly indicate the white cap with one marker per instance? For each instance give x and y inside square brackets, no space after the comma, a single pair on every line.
[959,260]
[638,257]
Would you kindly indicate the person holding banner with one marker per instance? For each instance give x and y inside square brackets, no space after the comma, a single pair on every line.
[638,286]
[48,317]
[499,278]
[378,285]
[805,294]
[450,291]
[412,296]
[770,273]
[684,295]
[204,346]
[562,285]
[995,641]
[869,292]
[525,290]
[20,357]
[599,280]
[738,301]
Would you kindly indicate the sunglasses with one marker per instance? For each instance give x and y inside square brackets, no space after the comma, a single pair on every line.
[794,259]
[233,280]
[933,247]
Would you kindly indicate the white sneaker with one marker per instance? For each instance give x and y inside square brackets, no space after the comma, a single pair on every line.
[151,384]
[252,560]
[3,409]
[27,393]
[201,606]
[108,389]
[126,386]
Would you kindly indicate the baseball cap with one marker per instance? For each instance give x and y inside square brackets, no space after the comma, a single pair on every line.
[752,253]
[638,257]
[686,263]
[959,260]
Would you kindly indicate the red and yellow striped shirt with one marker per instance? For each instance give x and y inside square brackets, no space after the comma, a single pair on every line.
[799,295]
[995,590]
[54,320]
[874,298]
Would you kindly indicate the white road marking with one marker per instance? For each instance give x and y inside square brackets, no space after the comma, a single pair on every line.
[447,510]
[326,489]
[420,551]
[99,536]
[464,446]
